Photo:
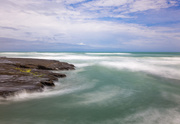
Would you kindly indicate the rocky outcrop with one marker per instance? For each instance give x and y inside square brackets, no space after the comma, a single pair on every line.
[17,74]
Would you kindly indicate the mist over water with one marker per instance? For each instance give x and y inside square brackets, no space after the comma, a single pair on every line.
[105,88]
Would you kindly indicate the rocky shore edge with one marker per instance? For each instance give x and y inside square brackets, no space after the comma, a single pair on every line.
[31,75]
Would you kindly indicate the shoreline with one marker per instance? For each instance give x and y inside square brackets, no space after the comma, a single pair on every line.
[31,75]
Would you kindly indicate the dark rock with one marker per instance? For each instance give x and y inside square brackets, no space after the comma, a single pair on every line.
[47,83]
[18,74]
[43,67]
[59,75]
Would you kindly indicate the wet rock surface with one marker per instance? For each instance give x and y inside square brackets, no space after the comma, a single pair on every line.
[17,74]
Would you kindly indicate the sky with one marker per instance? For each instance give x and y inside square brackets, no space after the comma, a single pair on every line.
[90,25]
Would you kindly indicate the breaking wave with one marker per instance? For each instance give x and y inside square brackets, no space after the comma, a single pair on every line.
[168,72]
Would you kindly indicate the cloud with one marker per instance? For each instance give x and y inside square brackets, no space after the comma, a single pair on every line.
[143,5]
[9,44]
[95,23]
[9,28]
[73,1]
[82,44]
[121,8]
[108,3]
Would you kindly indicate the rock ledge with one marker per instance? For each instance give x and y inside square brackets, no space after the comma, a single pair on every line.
[18,74]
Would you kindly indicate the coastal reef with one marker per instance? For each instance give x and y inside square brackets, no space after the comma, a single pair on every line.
[31,75]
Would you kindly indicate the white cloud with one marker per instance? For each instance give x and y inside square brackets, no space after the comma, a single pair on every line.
[54,21]
[72,1]
[35,26]
[108,3]
[120,8]
[143,5]
[82,44]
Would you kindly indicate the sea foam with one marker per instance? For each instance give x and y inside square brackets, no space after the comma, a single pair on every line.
[134,66]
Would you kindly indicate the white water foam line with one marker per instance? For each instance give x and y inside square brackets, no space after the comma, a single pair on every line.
[135,66]
[108,53]
[48,92]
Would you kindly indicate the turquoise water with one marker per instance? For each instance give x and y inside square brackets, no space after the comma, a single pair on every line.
[105,88]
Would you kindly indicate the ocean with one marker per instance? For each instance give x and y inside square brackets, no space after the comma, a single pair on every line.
[105,88]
